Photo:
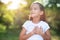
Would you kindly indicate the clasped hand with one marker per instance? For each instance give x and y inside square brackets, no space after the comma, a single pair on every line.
[37,30]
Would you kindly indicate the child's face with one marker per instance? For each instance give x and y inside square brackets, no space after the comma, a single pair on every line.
[35,10]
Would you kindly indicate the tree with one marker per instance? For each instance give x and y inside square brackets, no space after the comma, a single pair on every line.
[5,16]
[54,12]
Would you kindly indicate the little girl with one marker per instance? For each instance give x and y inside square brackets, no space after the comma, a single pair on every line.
[35,28]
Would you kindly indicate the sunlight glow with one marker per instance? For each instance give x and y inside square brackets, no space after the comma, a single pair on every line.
[58,5]
[5,1]
[15,4]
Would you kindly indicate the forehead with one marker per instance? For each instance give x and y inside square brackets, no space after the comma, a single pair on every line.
[34,5]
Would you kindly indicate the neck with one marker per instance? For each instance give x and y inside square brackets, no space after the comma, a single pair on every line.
[36,20]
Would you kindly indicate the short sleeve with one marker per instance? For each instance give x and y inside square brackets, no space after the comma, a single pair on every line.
[46,27]
[25,25]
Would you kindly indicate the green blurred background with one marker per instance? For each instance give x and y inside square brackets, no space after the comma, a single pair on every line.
[13,13]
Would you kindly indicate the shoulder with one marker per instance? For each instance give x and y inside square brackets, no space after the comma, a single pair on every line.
[45,26]
[44,23]
[26,23]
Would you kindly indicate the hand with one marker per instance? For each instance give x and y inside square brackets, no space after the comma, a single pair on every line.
[34,30]
[39,31]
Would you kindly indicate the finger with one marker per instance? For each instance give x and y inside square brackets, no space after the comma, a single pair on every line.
[40,27]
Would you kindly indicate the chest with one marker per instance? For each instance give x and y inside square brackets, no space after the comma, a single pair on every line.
[31,27]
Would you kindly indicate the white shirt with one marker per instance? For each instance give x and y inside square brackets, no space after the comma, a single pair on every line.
[29,26]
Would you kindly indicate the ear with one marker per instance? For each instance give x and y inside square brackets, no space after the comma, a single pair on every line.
[41,13]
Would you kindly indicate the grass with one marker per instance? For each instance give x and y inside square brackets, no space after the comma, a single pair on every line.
[10,35]
[14,35]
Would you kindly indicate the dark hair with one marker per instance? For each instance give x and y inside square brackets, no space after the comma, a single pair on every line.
[42,17]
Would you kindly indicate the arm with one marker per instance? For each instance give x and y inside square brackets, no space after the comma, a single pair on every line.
[23,35]
[47,35]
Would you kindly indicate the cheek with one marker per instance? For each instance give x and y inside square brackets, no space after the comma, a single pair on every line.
[37,11]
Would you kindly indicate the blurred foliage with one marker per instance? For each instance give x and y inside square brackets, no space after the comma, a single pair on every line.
[2,28]
[53,13]
[6,17]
